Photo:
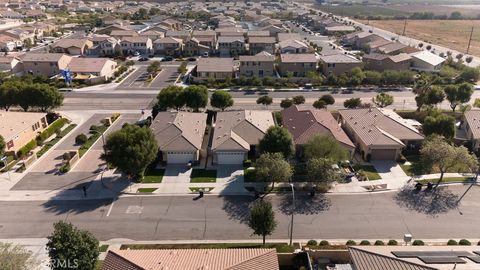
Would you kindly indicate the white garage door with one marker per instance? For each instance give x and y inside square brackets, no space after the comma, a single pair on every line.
[230,157]
[179,158]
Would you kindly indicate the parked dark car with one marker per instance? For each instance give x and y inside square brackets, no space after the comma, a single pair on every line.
[143,59]
[167,58]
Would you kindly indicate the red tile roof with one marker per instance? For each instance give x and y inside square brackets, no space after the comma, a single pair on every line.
[305,123]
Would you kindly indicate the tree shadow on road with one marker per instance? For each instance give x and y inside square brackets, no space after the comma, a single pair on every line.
[237,207]
[432,203]
[304,204]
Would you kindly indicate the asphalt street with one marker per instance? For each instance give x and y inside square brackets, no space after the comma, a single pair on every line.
[366,216]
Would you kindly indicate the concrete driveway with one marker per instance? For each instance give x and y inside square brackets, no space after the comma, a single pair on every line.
[175,180]
[230,180]
[389,169]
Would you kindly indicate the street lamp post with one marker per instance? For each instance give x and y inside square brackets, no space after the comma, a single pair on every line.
[293,211]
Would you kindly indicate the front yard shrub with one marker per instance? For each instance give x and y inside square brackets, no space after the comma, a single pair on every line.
[50,130]
[27,148]
[81,139]
[351,243]
[247,163]
[464,242]
[452,242]
[392,242]
[114,117]
[66,156]
[365,243]
[94,128]
[418,243]
[324,243]
[65,168]
[379,243]
[312,243]
[323,187]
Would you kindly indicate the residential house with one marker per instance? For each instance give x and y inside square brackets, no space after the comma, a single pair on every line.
[19,128]
[215,259]
[237,133]
[8,43]
[288,36]
[426,61]
[379,134]
[112,28]
[257,33]
[72,46]
[153,34]
[168,46]
[304,124]
[273,30]
[193,47]
[120,34]
[207,37]
[141,44]
[261,44]
[470,125]
[338,64]
[297,64]
[93,70]
[179,135]
[171,24]
[374,44]
[231,46]
[21,34]
[392,48]
[260,65]
[381,62]
[214,68]
[183,34]
[104,45]
[293,46]
[48,64]
[11,65]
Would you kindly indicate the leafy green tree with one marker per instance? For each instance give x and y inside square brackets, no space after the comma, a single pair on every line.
[458,95]
[47,97]
[70,243]
[439,124]
[154,67]
[277,140]
[434,96]
[469,74]
[352,103]
[16,257]
[182,69]
[357,76]
[297,100]
[373,77]
[286,103]
[262,219]
[383,100]
[26,97]
[476,103]
[436,152]
[328,99]
[221,99]
[322,146]
[196,97]
[170,97]
[131,149]
[271,168]
[321,170]
[265,100]
[319,104]
[8,95]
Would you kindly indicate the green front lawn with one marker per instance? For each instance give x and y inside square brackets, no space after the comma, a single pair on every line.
[153,176]
[203,176]
[369,171]
[280,247]
[416,167]
[92,139]
[146,190]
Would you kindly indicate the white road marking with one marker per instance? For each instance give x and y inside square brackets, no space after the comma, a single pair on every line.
[110,208]
[134,209]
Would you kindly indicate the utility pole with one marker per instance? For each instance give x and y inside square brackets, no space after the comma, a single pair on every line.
[470,40]
[404,27]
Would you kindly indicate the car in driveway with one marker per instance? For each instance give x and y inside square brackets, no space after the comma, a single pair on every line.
[167,59]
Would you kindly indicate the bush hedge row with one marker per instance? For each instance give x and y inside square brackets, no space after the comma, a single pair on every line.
[50,130]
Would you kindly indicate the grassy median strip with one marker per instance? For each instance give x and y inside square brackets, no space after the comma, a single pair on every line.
[203,176]
[103,248]
[280,247]
[55,140]
[153,176]
[447,180]
[92,139]
[146,190]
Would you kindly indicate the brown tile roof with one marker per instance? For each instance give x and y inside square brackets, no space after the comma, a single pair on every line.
[375,128]
[179,130]
[42,57]
[286,36]
[298,58]
[395,46]
[367,260]
[258,33]
[473,119]
[259,57]
[267,40]
[244,128]
[168,40]
[215,65]
[78,64]
[304,123]
[192,259]
[136,39]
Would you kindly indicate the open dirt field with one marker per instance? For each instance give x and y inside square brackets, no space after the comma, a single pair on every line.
[448,33]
